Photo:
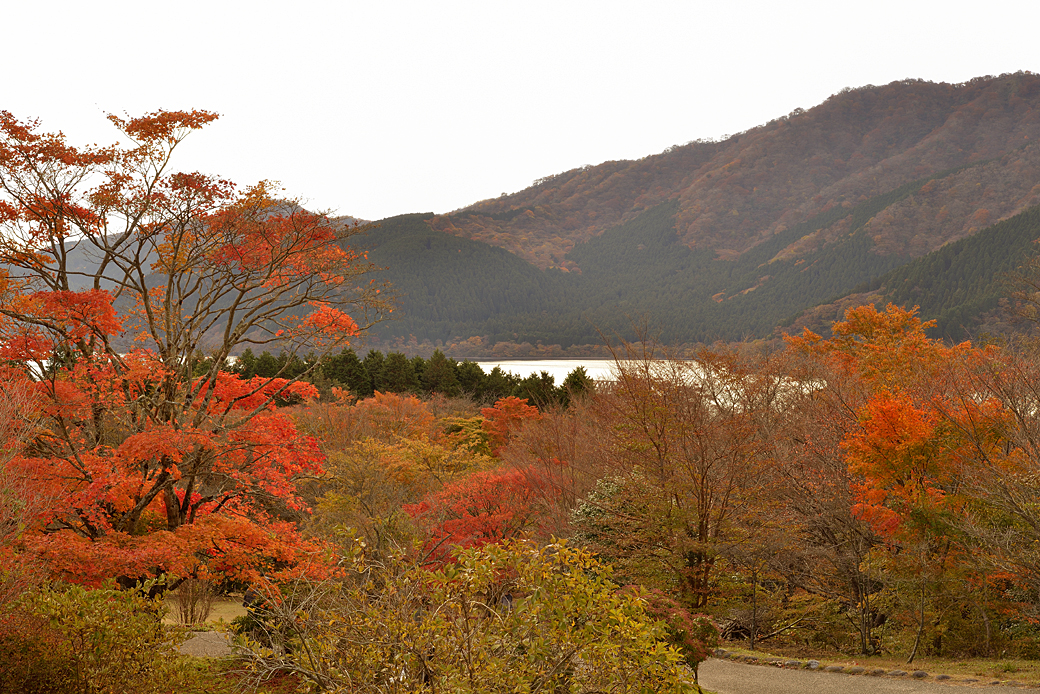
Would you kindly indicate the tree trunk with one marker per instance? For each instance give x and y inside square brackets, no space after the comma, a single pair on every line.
[920,631]
[754,606]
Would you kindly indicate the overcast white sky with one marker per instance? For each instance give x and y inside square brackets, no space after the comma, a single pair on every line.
[380,108]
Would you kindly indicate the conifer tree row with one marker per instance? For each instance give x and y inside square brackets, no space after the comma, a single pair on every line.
[394,372]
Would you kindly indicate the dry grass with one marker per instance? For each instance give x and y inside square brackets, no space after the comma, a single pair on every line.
[192,601]
[224,609]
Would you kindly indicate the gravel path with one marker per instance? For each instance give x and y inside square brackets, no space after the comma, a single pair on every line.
[727,677]
[211,644]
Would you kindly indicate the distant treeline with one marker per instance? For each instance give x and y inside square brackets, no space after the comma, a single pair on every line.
[394,372]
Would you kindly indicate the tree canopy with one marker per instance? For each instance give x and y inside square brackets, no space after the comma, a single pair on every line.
[115,272]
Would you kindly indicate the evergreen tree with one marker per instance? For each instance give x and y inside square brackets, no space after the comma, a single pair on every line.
[576,385]
[246,364]
[439,376]
[419,366]
[538,389]
[346,369]
[374,368]
[498,384]
[291,365]
[471,378]
[267,365]
[398,374]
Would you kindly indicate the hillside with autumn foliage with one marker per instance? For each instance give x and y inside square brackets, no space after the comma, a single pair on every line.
[735,194]
[729,239]
[862,493]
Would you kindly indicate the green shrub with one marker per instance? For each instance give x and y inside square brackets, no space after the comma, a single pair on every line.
[515,617]
[30,655]
[75,640]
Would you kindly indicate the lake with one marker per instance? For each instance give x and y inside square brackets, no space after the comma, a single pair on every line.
[597,369]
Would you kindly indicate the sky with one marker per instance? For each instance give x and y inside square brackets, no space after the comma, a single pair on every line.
[378,108]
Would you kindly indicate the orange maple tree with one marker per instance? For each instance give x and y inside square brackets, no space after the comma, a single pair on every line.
[903,446]
[506,417]
[911,432]
[117,272]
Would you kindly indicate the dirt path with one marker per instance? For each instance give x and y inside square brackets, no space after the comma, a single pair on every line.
[727,677]
[211,644]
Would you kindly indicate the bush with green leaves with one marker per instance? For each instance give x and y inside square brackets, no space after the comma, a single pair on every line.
[501,618]
[76,640]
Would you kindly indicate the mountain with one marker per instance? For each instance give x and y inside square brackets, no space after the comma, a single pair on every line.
[735,194]
[960,286]
[725,240]
[912,192]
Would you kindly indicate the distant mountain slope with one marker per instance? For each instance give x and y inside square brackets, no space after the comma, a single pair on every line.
[450,286]
[957,285]
[787,222]
[726,240]
[736,194]
[961,281]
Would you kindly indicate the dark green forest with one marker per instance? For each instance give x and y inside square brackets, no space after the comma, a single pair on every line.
[965,279]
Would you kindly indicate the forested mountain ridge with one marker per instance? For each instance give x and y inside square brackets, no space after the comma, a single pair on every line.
[456,290]
[960,286]
[727,240]
[735,194]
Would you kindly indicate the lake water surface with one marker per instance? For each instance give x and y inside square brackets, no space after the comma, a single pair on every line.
[597,369]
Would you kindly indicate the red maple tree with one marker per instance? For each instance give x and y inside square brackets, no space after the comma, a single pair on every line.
[117,274]
[507,415]
[483,508]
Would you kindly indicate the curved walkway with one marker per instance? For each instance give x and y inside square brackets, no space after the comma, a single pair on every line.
[727,677]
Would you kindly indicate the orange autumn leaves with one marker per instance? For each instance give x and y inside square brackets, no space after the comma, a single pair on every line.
[897,454]
[504,418]
[48,319]
[921,428]
[390,454]
[485,507]
[194,509]
[128,464]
